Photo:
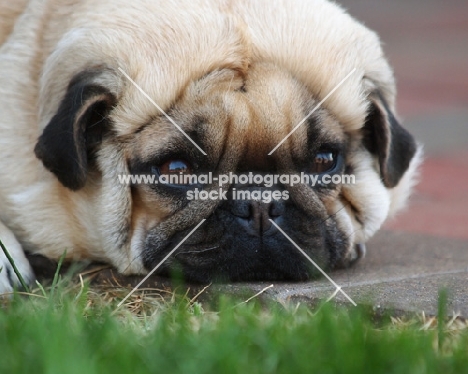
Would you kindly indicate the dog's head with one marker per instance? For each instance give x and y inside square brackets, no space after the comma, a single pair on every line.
[235,118]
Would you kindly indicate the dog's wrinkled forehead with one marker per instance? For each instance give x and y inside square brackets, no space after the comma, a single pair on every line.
[284,109]
[243,116]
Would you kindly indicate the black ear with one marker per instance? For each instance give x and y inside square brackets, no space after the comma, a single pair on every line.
[75,130]
[388,140]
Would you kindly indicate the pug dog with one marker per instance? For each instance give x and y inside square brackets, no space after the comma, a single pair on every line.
[93,91]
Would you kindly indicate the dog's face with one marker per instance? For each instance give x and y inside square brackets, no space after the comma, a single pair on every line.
[237,121]
[237,118]
[236,97]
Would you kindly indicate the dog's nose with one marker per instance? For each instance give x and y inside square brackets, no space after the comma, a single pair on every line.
[255,215]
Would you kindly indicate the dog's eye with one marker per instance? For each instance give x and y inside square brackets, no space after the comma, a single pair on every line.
[323,162]
[175,167]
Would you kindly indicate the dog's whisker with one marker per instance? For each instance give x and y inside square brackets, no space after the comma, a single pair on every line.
[197,252]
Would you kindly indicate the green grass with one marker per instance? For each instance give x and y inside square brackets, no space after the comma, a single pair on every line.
[75,329]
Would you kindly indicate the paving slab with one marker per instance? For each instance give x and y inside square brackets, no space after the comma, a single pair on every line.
[402,271]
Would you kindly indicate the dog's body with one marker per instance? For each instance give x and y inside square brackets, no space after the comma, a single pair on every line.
[237,76]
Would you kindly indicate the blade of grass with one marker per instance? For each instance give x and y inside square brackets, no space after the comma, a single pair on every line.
[12,262]
[57,274]
[442,313]
[41,288]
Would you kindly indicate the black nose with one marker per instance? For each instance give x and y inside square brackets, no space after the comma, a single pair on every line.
[255,215]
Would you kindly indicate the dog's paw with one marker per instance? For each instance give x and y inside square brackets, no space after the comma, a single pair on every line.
[8,278]
[356,252]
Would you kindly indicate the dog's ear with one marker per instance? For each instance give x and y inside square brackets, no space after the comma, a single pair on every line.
[76,129]
[388,140]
